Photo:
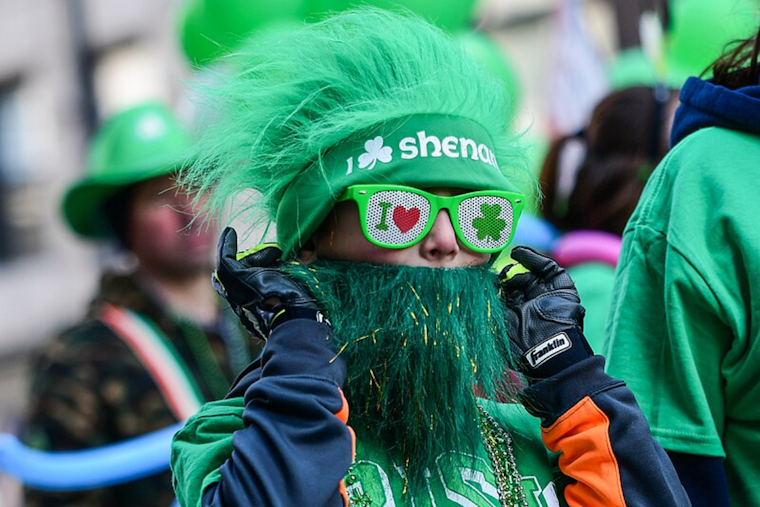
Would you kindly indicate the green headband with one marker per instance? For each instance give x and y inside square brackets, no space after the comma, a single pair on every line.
[422,151]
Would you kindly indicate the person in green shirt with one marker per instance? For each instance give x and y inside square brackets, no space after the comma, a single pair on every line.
[399,368]
[685,321]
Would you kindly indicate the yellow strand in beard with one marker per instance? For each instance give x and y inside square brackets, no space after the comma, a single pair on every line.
[424,328]
[374,379]
[420,300]
[343,347]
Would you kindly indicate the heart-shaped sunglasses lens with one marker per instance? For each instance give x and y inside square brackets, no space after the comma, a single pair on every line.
[396,217]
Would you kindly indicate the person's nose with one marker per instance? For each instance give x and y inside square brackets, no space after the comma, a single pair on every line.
[441,243]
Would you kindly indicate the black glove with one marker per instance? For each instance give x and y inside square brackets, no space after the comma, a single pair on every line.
[257,290]
[545,316]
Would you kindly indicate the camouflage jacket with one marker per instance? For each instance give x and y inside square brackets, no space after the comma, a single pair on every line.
[89,389]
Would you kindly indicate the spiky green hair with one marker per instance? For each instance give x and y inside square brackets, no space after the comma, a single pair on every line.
[299,93]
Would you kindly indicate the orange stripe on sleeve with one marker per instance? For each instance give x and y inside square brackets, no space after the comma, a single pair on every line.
[582,435]
[342,414]
[343,492]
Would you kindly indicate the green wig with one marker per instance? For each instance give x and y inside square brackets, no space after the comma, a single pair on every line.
[303,94]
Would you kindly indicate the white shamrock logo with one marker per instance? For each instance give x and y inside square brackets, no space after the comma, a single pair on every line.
[375,151]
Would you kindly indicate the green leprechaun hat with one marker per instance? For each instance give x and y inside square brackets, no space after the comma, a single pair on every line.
[134,145]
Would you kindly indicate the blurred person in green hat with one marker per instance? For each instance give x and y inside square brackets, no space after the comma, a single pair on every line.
[156,343]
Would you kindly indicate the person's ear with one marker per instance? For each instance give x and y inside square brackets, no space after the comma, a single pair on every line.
[308,252]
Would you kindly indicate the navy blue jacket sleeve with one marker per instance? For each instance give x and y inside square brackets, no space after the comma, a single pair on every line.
[295,447]
[605,440]
[703,477]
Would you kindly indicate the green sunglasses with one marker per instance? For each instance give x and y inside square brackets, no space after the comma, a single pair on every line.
[395,216]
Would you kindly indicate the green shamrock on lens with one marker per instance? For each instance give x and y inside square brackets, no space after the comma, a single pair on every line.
[489,224]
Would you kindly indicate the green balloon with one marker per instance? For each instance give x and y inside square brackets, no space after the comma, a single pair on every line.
[484,49]
[632,67]
[451,15]
[241,17]
[201,41]
[700,30]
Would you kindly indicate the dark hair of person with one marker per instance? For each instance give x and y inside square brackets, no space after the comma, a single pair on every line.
[116,212]
[626,137]
[739,65]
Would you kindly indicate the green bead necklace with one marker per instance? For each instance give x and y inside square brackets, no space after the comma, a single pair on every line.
[499,446]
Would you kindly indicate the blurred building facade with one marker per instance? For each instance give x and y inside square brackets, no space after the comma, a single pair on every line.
[64,65]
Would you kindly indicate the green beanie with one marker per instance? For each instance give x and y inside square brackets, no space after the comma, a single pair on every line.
[367,96]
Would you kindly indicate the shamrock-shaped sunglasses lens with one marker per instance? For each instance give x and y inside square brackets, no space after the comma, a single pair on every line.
[486,221]
[396,217]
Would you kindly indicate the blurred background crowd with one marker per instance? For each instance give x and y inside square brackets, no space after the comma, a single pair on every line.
[584,75]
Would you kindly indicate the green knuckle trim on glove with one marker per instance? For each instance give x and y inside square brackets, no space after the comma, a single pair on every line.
[256,288]
[545,315]
[512,269]
[242,255]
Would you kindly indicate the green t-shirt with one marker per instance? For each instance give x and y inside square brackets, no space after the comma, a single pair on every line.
[206,443]
[684,325]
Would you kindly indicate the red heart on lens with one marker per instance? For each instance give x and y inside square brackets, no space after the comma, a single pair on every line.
[405,219]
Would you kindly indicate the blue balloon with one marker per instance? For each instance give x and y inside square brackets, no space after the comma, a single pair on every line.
[536,233]
[92,468]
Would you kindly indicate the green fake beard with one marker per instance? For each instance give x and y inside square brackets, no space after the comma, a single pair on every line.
[416,342]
